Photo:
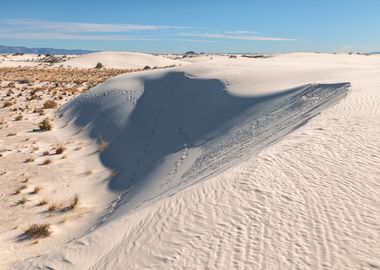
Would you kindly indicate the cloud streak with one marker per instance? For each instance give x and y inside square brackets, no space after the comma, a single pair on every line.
[237,35]
[77,27]
[32,29]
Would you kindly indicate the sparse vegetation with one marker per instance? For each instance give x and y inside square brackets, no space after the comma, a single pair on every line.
[7,104]
[23,200]
[45,125]
[74,203]
[36,190]
[30,159]
[53,207]
[46,162]
[99,65]
[102,144]
[59,150]
[18,117]
[42,202]
[36,231]
[50,104]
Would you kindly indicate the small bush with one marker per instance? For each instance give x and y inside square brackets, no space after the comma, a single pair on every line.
[74,203]
[22,201]
[99,65]
[41,203]
[29,160]
[7,104]
[18,117]
[37,231]
[146,67]
[50,104]
[36,190]
[53,207]
[59,150]
[23,81]
[45,124]
[46,162]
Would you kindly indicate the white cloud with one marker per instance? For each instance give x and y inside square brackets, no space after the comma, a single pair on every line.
[237,35]
[79,27]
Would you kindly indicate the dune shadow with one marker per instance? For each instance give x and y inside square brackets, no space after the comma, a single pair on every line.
[172,113]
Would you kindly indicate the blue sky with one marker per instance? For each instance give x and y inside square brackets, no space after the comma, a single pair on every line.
[203,26]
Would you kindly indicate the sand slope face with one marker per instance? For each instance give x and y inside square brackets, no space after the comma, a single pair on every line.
[120,60]
[307,202]
[167,130]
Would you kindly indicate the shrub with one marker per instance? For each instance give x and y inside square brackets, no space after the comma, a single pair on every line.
[41,203]
[36,190]
[146,67]
[30,159]
[99,65]
[7,104]
[37,231]
[18,117]
[59,150]
[23,81]
[53,207]
[45,124]
[74,203]
[46,162]
[50,104]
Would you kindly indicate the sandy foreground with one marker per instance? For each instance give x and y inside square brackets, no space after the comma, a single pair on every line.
[217,163]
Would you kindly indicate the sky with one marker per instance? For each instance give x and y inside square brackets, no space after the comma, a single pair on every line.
[169,26]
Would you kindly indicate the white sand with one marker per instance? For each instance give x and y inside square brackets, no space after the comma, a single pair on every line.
[309,201]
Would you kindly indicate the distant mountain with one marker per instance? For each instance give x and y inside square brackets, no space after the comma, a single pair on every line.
[374,53]
[9,49]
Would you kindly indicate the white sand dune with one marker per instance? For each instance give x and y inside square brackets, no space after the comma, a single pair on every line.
[307,202]
[127,60]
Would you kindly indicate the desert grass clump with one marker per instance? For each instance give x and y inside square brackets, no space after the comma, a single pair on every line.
[74,203]
[99,65]
[36,190]
[59,150]
[45,125]
[50,104]
[7,104]
[22,201]
[18,190]
[53,207]
[36,231]
[42,202]
[102,144]
[30,159]
[18,117]
[46,162]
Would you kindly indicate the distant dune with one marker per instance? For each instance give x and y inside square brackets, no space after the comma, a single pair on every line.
[120,60]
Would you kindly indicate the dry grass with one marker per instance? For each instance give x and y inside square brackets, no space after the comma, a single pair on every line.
[7,104]
[22,201]
[53,207]
[42,202]
[36,231]
[46,162]
[18,190]
[50,104]
[102,144]
[36,190]
[45,125]
[30,159]
[59,150]
[74,203]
